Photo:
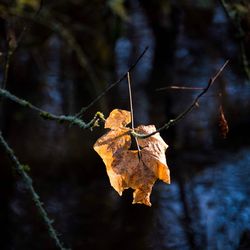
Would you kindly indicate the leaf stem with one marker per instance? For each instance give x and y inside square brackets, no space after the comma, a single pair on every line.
[130,102]
[132,114]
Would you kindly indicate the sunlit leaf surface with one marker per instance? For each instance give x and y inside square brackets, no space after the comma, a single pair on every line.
[128,168]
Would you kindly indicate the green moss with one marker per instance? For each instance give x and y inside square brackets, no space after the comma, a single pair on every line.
[26,104]
[45,115]
[25,167]
[100,115]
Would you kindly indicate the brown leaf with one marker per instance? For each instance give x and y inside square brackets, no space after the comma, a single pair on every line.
[127,168]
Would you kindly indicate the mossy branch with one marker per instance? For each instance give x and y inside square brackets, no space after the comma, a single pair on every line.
[187,110]
[49,116]
[19,168]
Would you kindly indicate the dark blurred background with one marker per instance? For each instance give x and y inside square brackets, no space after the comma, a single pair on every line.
[68,54]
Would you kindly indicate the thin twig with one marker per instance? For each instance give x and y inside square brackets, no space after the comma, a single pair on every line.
[6,68]
[49,116]
[174,87]
[28,182]
[132,113]
[187,110]
[110,86]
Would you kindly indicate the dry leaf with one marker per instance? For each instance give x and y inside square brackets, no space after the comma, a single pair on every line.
[128,168]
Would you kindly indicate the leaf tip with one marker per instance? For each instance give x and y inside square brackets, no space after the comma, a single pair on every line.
[118,118]
[147,203]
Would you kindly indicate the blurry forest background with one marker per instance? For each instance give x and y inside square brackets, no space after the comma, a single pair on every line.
[67,54]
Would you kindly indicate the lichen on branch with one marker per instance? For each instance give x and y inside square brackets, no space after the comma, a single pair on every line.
[49,116]
[21,170]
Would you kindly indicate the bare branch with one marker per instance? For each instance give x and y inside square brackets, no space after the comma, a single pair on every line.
[110,86]
[188,109]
